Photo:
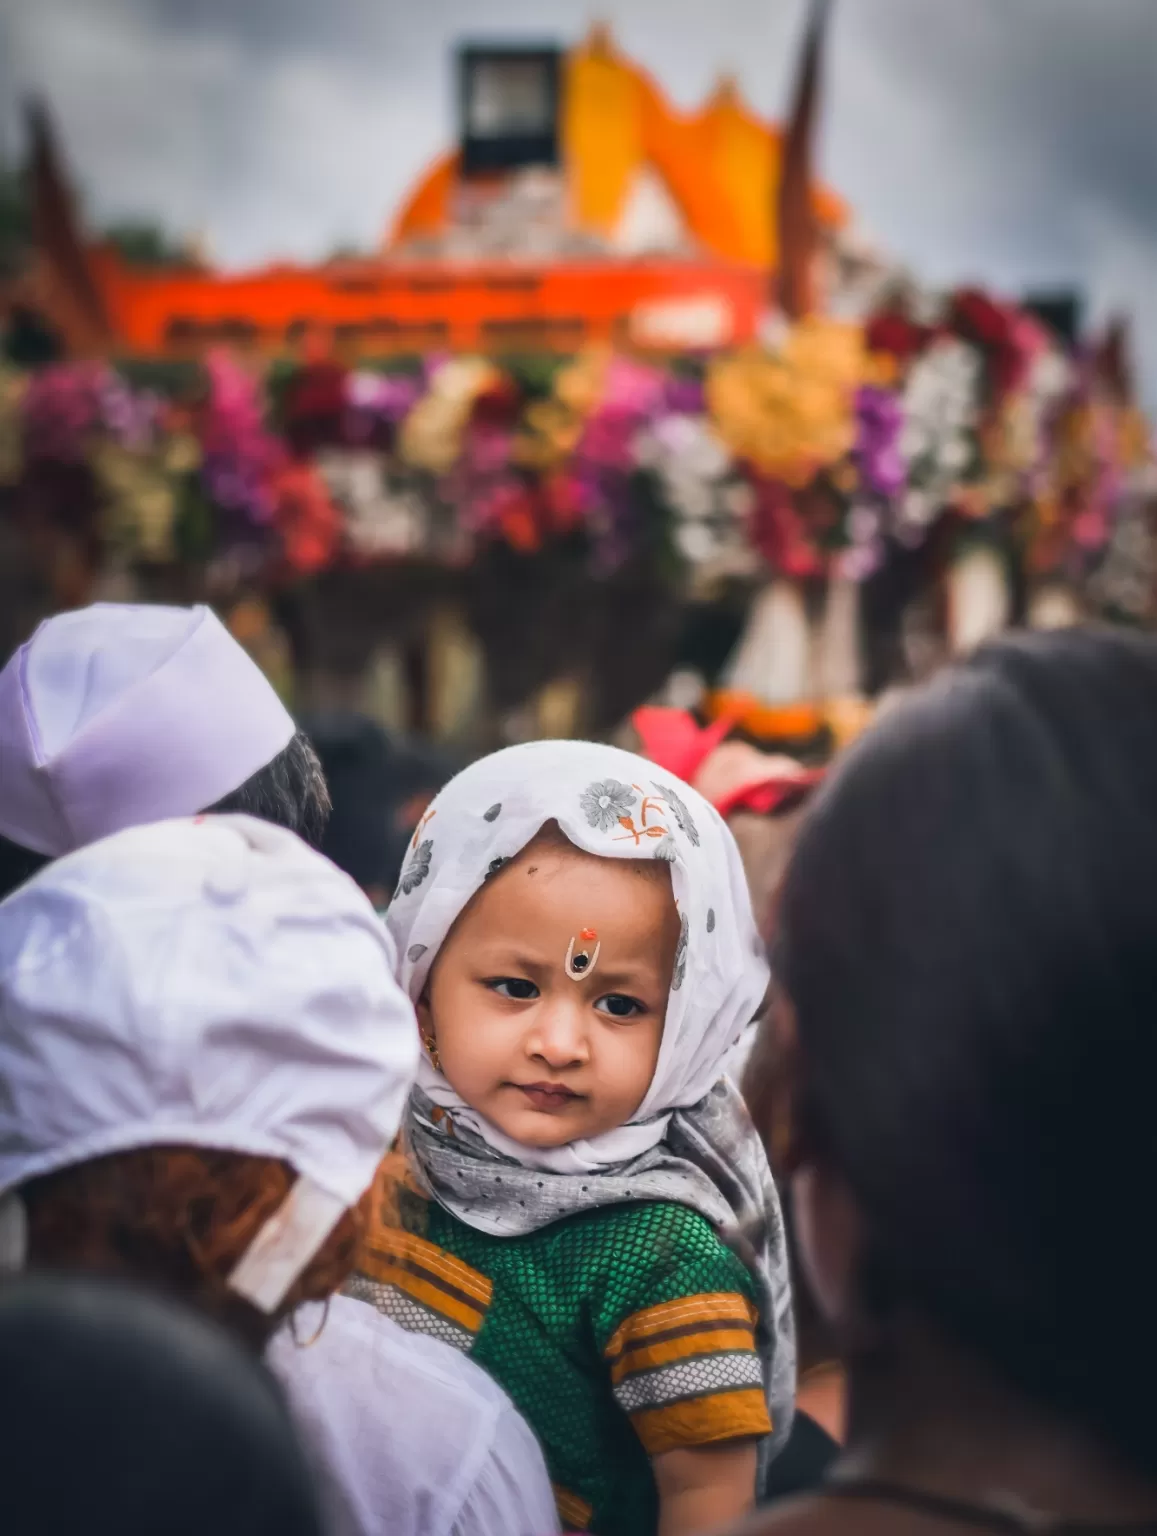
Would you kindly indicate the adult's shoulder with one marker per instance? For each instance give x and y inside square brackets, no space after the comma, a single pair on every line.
[408,1435]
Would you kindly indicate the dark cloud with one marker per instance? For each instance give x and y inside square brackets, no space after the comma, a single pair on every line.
[1014,141]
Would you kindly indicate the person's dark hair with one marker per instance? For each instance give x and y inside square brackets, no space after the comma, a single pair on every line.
[17,865]
[121,1413]
[379,786]
[290,791]
[968,935]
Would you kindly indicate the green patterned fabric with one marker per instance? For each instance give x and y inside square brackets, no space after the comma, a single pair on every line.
[559,1297]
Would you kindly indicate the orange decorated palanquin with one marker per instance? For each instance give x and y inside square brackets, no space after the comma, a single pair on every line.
[664,238]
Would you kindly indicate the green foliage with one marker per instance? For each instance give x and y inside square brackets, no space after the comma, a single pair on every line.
[142,243]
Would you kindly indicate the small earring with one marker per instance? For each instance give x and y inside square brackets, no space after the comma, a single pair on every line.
[431,1045]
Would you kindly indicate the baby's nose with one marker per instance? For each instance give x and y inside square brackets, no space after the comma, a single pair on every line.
[560,1037]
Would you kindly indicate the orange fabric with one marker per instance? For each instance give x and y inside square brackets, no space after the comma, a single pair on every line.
[683,1346]
[712,1307]
[602,135]
[703,1421]
[574,1513]
[427,208]
[430,1275]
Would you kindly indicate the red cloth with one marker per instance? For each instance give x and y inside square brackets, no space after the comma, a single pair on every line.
[731,775]
[675,740]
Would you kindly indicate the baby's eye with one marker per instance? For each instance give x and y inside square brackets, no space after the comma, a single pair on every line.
[516,987]
[620,1006]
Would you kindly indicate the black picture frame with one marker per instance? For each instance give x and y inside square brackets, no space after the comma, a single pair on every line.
[492,152]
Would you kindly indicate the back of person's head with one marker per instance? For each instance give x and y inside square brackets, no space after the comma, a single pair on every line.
[379,788]
[968,938]
[123,1414]
[204,1056]
[121,714]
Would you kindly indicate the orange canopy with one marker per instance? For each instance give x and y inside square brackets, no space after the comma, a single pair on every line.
[720,165]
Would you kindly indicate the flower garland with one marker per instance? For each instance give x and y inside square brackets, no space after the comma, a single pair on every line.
[800,457]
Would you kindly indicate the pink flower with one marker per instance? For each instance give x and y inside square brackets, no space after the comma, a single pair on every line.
[633,388]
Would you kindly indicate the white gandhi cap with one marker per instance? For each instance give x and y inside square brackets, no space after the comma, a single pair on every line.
[209,983]
[120,714]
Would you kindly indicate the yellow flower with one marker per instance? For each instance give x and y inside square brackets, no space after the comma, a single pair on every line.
[139,507]
[549,435]
[181,453]
[792,412]
[431,435]
[1010,444]
[579,385]
[1133,441]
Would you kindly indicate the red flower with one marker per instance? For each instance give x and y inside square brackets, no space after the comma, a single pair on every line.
[315,404]
[498,406]
[994,327]
[780,533]
[307,520]
[513,510]
[976,317]
[563,501]
[893,332]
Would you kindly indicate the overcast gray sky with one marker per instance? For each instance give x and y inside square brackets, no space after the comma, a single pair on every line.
[1013,142]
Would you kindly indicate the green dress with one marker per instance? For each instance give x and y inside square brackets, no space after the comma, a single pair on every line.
[619,1333]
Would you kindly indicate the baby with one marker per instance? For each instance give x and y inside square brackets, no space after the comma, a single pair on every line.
[588,1211]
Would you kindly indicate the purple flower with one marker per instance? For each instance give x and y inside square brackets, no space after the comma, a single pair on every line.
[683,395]
[879,420]
[60,409]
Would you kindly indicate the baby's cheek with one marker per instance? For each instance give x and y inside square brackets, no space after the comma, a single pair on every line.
[630,1067]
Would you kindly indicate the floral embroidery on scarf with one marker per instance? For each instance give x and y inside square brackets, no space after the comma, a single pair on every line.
[418,867]
[493,813]
[494,866]
[710,919]
[606,803]
[651,805]
[681,953]
[415,953]
[680,812]
[665,849]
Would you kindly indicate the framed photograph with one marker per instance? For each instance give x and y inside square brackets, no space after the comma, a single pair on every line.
[509,107]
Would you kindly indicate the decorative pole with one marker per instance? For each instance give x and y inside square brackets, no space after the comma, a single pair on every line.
[63,259]
[795,214]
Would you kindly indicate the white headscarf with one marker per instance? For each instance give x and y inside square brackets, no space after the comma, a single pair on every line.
[618,806]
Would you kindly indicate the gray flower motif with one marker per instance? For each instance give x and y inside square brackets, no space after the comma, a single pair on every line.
[710,919]
[493,813]
[680,971]
[680,812]
[665,849]
[418,867]
[415,953]
[603,803]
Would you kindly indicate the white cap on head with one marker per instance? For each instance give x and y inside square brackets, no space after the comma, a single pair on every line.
[209,983]
[121,714]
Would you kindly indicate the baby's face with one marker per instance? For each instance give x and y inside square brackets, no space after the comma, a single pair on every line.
[547,1058]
